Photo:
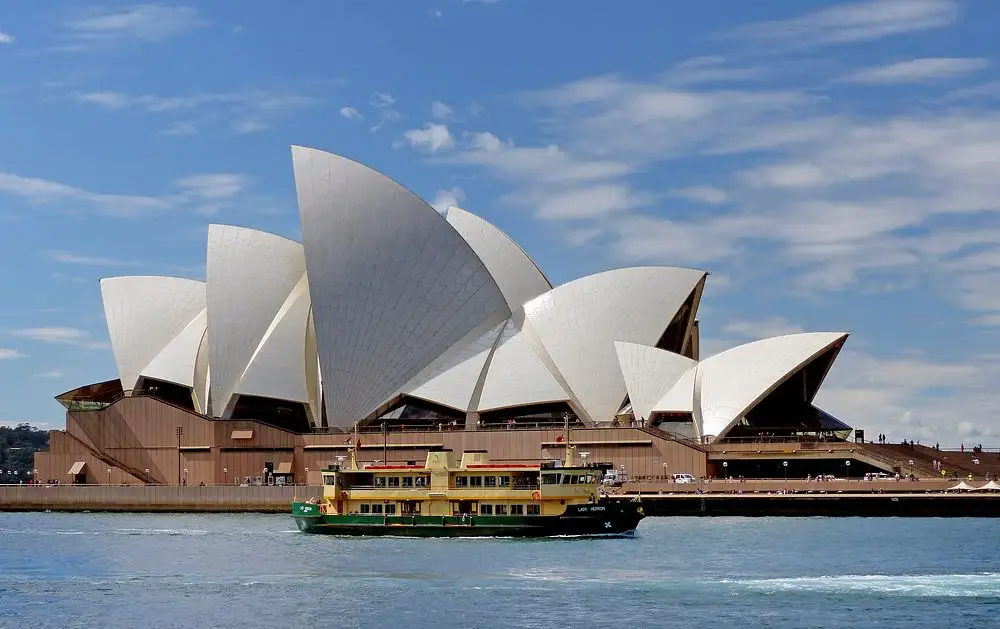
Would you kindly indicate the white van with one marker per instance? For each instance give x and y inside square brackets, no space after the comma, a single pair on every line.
[682,478]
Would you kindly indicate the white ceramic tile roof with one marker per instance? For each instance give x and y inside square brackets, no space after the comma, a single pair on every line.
[579,322]
[732,382]
[516,376]
[393,285]
[452,378]
[518,277]
[649,373]
[250,274]
[176,362]
[144,314]
[680,397]
[278,367]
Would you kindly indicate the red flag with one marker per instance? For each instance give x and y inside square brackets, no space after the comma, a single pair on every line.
[560,439]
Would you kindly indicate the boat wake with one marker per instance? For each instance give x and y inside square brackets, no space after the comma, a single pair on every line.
[984,585]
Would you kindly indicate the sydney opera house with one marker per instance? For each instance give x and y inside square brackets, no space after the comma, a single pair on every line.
[421,330]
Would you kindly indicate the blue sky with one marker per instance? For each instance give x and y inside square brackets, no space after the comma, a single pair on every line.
[834,165]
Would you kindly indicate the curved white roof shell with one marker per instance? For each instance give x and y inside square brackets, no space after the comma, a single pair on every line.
[518,277]
[579,322]
[177,361]
[249,274]
[451,380]
[392,284]
[731,383]
[144,315]
[649,373]
[680,397]
[278,367]
[516,376]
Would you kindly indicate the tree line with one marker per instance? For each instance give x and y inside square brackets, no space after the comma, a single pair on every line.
[18,445]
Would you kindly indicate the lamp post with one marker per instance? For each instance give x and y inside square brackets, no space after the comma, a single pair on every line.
[180,431]
[665,475]
[847,464]
[225,474]
[109,475]
[784,466]
[725,469]
[185,475]
[911,467]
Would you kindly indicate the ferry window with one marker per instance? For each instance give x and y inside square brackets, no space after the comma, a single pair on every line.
[329,479]
[503,481]
[485,509]
[501,509]
[567,479]
[380,481]
[366,509]
[376,508]
[491,481]
[407,481]
[461,481]
[393,481]
[390,509]
[550,479]
[534,509]
[517,509]
[476,481]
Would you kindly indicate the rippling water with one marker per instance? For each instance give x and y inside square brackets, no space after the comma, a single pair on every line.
[102,570]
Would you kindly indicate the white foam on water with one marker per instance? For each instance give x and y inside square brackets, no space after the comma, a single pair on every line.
[983,585]
[161,532]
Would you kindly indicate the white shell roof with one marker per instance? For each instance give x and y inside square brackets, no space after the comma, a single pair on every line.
[732,382]
[680,397]
[393,285]
[144,314]
[452,378]
[278,367]
[250,274]
[176,362]
[518,277]
[649,373]
[516,376]
[579,322]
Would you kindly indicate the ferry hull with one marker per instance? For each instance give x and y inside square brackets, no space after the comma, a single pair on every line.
[607,519]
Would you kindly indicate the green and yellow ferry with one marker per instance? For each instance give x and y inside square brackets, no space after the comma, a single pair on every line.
[473,498]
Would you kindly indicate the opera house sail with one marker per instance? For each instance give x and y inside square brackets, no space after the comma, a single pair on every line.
[390,314]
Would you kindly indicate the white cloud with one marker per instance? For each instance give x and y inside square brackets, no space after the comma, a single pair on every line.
[384,104]
[702,194]
[766,328]
[196,191]
[917,70]
[65,257]
[245,112]
[351,113]
[6,38]
[583,202]
[444,199]
[853,22]
[61,335]
[147,23]
[10,354]
[433,137]
[52,374]
[441,111]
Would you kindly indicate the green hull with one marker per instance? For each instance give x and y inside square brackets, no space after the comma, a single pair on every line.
[603,519]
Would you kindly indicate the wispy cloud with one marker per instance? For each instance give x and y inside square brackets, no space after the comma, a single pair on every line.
[60,335]
[917,71]
[244,112]
[444,199]
[10,354]
[385,108]
[205,193]
[351,113]
[762,329]
[433,137]
[65,257]
[702,194]
[6,38]
[145,23]
[441,111]
[853,22]
[51,374]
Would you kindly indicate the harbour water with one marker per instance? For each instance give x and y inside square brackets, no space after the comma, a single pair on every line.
[131,570]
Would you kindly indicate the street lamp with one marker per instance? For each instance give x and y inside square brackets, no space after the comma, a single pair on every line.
[847,464]
[784,465]
[180,432]
[109,475]
[185,475]
[911,467]
[665,475]
[725,469]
